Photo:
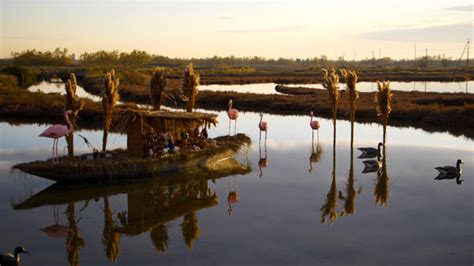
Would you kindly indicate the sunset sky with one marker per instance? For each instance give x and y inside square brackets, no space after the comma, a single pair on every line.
[271,29]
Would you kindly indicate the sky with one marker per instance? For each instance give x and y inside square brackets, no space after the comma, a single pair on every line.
[270,29]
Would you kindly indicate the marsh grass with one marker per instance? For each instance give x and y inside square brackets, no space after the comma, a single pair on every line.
[158,84]
[110,97]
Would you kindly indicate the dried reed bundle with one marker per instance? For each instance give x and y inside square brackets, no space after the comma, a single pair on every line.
[189,86]
[350,78]
[110,97]
[158,84]
[330,83]
[383,100]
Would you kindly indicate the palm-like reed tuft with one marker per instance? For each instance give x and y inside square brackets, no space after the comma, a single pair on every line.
[72,102]
[158,84]
[350,78]
[189,86]
[383,100]
[110,97]
[330,82]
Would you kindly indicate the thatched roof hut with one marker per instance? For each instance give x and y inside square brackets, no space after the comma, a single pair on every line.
[135,123]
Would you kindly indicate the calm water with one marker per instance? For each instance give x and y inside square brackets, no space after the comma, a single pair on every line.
[431,86]
[57,87]
[277,221]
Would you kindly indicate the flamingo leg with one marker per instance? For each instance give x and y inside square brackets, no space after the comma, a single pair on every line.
[235,128]
[57,155]
[52,151]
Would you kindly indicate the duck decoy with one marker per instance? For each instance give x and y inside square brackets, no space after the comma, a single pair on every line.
[12,259]
[370,152]
[450,172]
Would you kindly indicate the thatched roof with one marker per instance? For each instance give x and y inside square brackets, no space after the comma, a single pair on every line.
[165,114]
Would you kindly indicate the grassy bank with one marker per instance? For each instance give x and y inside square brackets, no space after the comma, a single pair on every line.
[451,112]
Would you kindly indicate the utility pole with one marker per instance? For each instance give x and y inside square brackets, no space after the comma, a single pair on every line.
[467,58]
[415,55]
[373,59]
[426,58]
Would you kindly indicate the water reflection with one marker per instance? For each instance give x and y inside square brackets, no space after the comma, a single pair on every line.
[351,192]
[328,209]
[262,161]
[151,204]
[233,196]
[382,185]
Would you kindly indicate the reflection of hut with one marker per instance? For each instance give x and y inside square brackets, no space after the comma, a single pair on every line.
[174,124]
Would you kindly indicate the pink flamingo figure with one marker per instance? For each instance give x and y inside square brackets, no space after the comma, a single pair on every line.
[263,126]
[58,131]
[314,125]
[233,115]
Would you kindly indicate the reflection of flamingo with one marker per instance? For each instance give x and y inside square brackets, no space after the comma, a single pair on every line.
[56,230]
[57,131]
[233,196]
[263,126]
[263,161]
[315,155]
[314,124]
[233,115]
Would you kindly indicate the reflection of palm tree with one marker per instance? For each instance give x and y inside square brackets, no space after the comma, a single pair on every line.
[74,241]
[111,238]
[351,193]
[159,237]
[381,191]
[329,207]
[190,229]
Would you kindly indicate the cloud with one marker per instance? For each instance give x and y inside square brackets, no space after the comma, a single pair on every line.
[447,33]
[460,8]
[271,30]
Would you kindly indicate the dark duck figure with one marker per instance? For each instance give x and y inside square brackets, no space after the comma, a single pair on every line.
[12,259]
[370,152]
[450,172]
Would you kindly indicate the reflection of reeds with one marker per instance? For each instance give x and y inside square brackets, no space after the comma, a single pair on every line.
[383,100]
[351,193]
[329,207]
[159,237]
[111,238]
[382,185]
[190,229]
[189,86]
[73,241]
[158,84]
[110,97]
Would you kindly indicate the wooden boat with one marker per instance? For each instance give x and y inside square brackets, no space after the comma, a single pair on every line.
[121,165]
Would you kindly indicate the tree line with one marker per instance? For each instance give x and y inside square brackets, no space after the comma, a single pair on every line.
[137,58]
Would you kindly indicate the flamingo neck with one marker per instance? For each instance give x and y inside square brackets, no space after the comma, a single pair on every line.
[261,118]
[69,124]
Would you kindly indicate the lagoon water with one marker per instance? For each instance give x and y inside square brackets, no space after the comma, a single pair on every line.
[278,219]
[364,86]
